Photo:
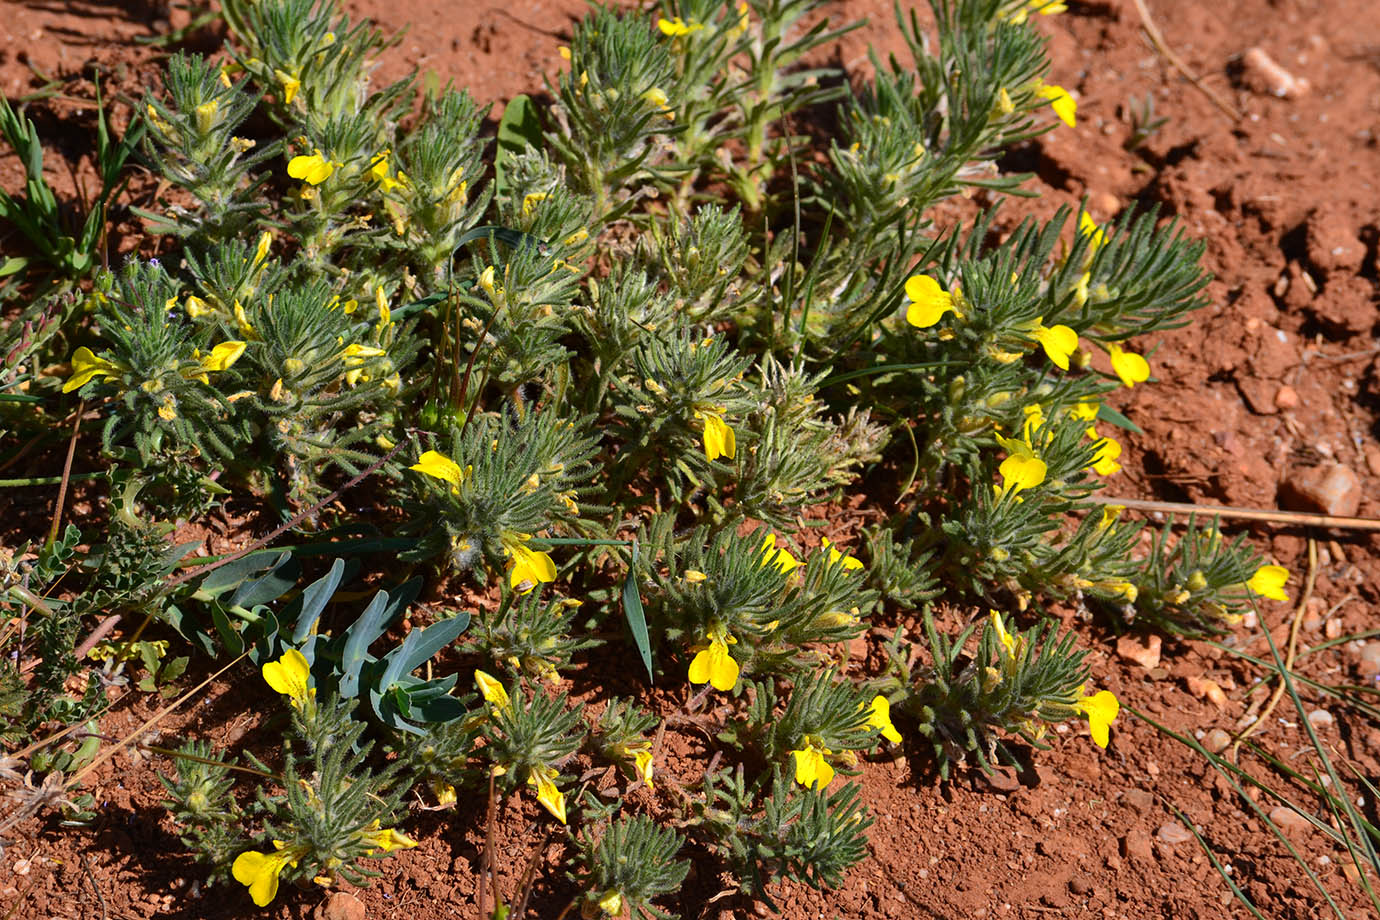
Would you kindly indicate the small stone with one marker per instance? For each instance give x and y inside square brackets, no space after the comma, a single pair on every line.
[1260,73]
[1080,886]
[1321,718]
[1147,655]
[1286,397]
[1369,663]
[1206,688]
[1288,820]
[1173,832]
[340,906]
[1004,781]
[1104,205]
[1330,488]
[1136,846]
[1216,741]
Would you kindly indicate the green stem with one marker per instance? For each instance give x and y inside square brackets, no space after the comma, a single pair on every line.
[46,480]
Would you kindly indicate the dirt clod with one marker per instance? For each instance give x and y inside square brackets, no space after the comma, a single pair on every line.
[1144,652]
[341,905]
[1288,820]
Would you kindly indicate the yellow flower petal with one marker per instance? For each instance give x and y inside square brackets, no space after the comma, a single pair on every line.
[1108,450]
[1101,709]
[528,568]
[223,355]
[811,769]
[929,301]
[260,872]
[715,666]
[1268,581]
[313,169]
[1008,643]
[879,716]
[1129,366]
[1058,342]
[290,675]
[87,366]
[719,440]
[1097,237]
[439,466]
[549,797]
[835,557]
[1061,102]
[1021,469]
[492,691]
[642,762]
[777,556]
[389,839]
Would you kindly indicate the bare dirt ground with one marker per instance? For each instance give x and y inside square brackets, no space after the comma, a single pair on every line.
[1278,378]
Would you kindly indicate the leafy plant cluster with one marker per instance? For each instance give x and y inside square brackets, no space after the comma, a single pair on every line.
[613,371]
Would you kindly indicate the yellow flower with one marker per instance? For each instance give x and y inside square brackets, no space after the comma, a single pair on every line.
[1044,7]
[528,568]
[290,675]
[928,301]
[1004,104]
[1104,461]
[777,556]
[206,116]
[550,798]
[1097,237]
[879,716]
[386,839]
[444,792]
[1101,709]
[835,557]
[260,872]
[642,763]
[1059,99]
[438,466]
[86,366]
[719,440]
[611,903]
[1129,366]
[223,355]
[656,98]
[313,169]
[1085,409]
[743,21]
[811,769]
[1021,469]
[676,27]
[291,86]
[1110,513]
[1008,642]
[378,171]
[531,200]
[1058,342]
[1268,581]
[694,576]
[714,665]
[492,691]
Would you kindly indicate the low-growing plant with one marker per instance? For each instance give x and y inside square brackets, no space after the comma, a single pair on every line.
[616,399]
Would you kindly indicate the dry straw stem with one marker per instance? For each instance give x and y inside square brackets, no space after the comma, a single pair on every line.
[1157,39]
[1289,656]
[1299,518]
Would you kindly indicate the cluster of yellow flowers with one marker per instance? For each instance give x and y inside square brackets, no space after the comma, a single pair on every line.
[290,675]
